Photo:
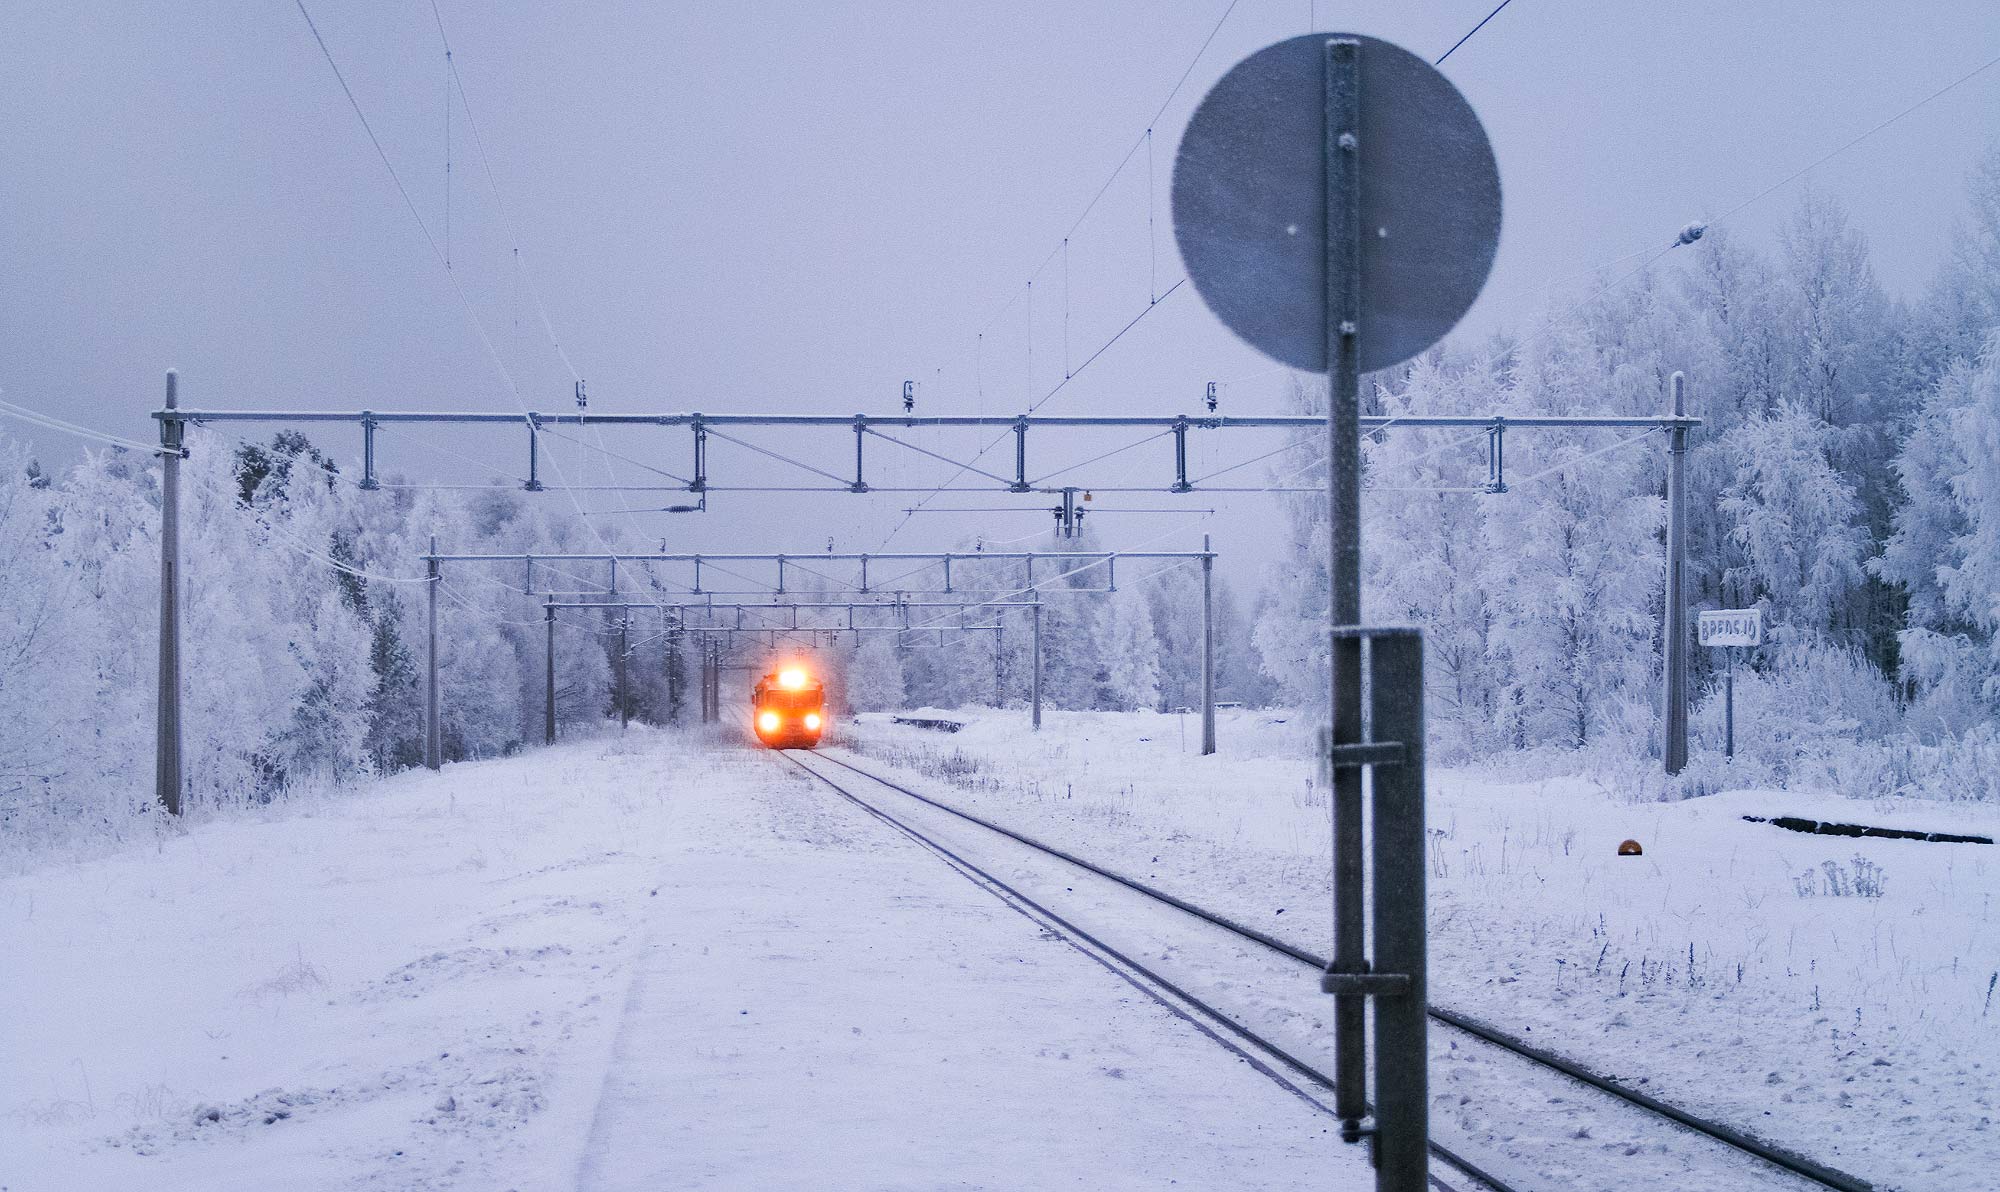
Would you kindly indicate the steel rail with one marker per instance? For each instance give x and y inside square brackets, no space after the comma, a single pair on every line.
[1226,1021]
[1770,1153]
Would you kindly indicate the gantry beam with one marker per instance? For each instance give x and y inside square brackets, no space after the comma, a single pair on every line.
[1074,562]
[861,427]
[808,556]
[868,422]
[784,605]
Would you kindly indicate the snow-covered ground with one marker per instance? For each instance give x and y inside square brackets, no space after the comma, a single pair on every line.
[1835,995]
[661,962]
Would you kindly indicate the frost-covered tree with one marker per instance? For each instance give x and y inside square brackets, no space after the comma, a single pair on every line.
[1831,314]
[1797,521]
[1290,636]
[1128,655]
[875,675]
[1963,306]
[1173,601]
[1239,673]
[1946,549]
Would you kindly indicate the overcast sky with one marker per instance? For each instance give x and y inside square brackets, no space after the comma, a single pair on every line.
[795,207]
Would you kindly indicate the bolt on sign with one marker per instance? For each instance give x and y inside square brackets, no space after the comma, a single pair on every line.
[1731,627]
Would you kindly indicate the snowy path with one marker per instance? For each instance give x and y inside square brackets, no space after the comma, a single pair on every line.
[825,1005]
[612,964]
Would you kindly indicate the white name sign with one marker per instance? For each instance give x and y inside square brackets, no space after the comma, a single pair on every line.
[1732,627]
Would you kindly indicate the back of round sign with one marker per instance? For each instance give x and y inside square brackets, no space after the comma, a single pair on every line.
[1250,207]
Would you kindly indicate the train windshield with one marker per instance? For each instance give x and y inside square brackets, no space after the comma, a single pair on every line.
[780,700]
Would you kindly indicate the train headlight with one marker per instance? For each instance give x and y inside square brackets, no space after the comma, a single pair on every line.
[791,678]
[812,721]
[767,722]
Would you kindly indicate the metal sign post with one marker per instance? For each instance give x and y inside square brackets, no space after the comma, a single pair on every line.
[1342,325]
[1338,207]
[1731,629]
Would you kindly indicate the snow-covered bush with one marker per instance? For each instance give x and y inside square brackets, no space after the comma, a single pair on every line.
[1800,706]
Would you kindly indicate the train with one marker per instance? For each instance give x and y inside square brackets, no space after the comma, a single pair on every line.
[788,708]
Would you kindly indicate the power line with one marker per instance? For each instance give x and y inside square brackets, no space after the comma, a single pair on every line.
[1144,140]
[493,184]
[513,235]
[372,138]
[1768,191]
[963,468]
[1961,80]
[51,422]
[464,300]
[1468,36]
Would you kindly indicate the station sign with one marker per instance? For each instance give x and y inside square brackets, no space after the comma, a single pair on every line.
[1732,627]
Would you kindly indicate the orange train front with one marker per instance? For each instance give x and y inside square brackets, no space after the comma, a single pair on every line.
[788,708]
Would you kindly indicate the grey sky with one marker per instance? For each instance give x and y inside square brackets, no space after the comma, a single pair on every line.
[797,206]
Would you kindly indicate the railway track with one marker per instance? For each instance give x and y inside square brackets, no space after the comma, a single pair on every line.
[1181,1000]
[1802,1171]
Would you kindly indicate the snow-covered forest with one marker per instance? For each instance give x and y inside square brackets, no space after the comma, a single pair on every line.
[1841,481]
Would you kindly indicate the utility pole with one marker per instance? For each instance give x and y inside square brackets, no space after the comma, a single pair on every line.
[1676,645]
[433,754]
[1035,683]
[671,649]
[624,694]
[1207,650]
[169,781]
[709,660]
[999,636]
[549,685]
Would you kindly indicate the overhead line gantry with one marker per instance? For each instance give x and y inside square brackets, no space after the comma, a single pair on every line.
[435,560]
[702,427]
[174,420]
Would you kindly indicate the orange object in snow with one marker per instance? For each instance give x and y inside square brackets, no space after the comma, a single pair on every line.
[1630,848]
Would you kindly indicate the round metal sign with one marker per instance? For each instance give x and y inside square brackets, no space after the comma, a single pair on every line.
[1250,202]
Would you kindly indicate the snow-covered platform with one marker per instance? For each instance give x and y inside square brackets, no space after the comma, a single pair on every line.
[641,964]
[823,1004]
